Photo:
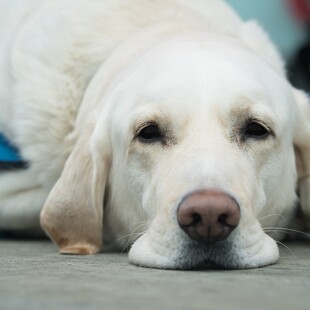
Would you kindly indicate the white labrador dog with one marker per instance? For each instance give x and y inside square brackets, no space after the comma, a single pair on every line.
[168,125]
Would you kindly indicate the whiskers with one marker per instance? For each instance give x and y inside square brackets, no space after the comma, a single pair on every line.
[270,215]
[288,231]
[276,231]
[133,236]
[285,246]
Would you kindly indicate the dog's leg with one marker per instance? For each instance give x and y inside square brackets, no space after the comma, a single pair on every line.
[21,200]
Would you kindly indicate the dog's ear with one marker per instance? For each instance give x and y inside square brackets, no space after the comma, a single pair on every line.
[73,213]
[302,149]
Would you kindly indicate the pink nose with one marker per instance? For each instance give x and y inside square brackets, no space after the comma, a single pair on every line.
[208,216]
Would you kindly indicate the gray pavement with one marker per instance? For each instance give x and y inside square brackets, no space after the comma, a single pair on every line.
[34,276]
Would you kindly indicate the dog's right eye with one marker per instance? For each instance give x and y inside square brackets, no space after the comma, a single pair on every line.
[150,133]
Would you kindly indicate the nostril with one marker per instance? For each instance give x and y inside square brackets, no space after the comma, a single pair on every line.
[189,219]
[223,220]
[231,219]
[196,218]
[226,220]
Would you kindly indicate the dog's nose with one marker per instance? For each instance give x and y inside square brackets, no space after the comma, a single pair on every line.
[208,216]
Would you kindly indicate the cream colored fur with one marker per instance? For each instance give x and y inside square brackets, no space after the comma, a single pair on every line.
[79,76]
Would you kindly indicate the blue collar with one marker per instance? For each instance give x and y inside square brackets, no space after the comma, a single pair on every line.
[9,155]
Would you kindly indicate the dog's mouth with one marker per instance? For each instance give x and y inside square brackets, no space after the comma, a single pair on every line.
[199,256]
[195,256]
[240,251]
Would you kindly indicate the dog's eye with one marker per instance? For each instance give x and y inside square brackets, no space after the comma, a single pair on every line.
[150,133]
[255,130]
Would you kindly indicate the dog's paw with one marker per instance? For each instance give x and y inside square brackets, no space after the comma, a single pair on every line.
[79,249]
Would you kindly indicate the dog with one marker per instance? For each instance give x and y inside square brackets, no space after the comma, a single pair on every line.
[164,127]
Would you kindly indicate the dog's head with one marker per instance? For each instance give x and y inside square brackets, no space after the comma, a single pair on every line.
[191,149]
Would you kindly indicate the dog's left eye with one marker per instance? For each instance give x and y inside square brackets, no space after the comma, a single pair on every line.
[255,130]
[150,133]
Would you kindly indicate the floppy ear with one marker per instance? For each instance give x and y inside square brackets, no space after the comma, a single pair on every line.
[302,149]
[73,213]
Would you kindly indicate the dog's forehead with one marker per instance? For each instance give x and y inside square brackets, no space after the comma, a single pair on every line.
[204,69]
[194,76]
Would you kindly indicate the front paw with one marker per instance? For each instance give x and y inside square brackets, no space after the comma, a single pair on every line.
[79,249]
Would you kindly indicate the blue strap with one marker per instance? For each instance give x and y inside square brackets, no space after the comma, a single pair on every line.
[8,153]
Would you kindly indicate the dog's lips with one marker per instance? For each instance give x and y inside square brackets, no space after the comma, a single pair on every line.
[259,250]
[193,255]
[196,255]
[241,250]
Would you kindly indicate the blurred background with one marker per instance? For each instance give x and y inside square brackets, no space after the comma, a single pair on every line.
[288,25]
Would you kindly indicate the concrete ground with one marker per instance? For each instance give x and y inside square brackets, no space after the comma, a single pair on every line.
[34,276]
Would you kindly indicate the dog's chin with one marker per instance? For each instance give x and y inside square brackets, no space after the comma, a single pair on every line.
[192,255]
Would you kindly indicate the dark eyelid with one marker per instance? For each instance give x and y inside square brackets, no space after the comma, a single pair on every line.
[143,125]
[263,123]
[153,136]
[269,131]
